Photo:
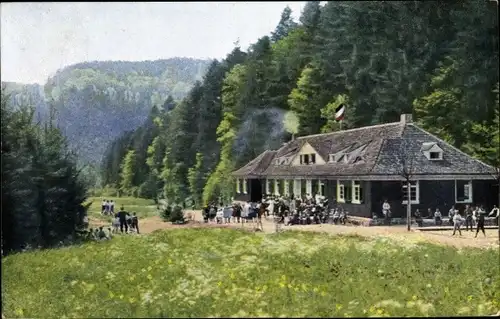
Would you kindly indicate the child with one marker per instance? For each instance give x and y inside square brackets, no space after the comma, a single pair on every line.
[135,222]
[219,216]
[101,235]
[457,223]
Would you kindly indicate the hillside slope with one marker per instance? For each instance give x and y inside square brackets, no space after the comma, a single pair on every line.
[98,101]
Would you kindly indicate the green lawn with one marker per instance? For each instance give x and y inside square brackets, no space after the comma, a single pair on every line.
[225,272]
[143,207]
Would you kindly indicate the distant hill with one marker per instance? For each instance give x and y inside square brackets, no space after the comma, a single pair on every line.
[98,101]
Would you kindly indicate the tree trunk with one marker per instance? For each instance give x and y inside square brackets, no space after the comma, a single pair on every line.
[408,205]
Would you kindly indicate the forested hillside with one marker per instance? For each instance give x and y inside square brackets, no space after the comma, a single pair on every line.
[96,102]
[437,60]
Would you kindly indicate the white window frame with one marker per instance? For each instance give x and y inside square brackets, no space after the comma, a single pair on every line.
[469,184]
[276,187]
[297,187]
[268,186]
[340,192]
[439,158]
[286,187]
[309,187]
[356,197]
[311,157]
[416,185]
[245,186]
[238,189]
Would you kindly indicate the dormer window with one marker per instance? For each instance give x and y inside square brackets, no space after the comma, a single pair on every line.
[435,155]
[307,159]
[339,156]
[432,151]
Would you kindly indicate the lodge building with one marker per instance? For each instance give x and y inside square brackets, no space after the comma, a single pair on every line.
[360,168]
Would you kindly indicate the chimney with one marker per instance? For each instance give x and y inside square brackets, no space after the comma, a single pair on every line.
[406,118]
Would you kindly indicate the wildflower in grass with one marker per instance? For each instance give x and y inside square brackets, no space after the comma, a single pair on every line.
[388,304]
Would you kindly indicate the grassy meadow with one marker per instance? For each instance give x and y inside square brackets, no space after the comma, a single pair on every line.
[232,273]
[143,207]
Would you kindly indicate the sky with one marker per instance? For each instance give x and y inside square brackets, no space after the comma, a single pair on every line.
[37,39]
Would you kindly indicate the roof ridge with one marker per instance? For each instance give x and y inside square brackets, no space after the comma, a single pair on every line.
[351,130]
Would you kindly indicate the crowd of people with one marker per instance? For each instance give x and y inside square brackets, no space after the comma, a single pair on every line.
[306,210]
[288,210]
[474,217]
[123,220]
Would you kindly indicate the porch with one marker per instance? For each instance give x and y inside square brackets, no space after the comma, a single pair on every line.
[363,198]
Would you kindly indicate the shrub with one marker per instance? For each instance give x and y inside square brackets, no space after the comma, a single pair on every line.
[177,215]
[165,213]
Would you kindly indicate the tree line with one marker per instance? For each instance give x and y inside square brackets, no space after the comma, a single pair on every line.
[43,193]
[437,60]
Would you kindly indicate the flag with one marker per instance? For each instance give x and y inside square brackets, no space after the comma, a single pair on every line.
[340,112]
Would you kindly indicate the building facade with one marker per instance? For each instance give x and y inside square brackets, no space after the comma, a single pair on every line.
[358,169]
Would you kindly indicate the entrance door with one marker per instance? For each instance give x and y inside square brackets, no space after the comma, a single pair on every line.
[255,190]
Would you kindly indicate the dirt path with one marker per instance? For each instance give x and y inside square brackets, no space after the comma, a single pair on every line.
[151,224]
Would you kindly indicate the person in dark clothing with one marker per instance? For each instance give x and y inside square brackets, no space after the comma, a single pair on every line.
[237,213]
[206,212]
[101,235]
[135,222]
[418,218]
[468,218]
[481,214]
[122,217]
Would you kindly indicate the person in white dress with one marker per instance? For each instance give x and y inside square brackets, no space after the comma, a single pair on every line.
[495,212]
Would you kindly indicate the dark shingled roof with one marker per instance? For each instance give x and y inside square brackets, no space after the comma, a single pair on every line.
[256,166]
[407,151]
[377,151]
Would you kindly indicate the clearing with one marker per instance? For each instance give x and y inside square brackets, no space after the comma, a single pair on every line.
[153,223]
[222,273]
